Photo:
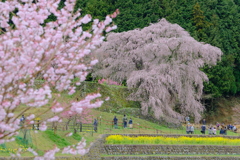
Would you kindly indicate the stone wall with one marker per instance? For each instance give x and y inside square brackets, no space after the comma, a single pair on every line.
[169,157]
[170,149]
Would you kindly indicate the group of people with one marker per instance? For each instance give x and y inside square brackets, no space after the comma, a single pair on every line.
[190,128]
[232,127]
[115,122]
[125,122]
[212,130]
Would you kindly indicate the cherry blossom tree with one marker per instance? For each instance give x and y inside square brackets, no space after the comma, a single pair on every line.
[161,63]
[56,52]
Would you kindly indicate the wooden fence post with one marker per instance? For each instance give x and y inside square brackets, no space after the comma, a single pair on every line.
[80,126]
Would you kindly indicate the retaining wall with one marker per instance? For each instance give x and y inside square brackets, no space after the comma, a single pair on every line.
[169,157]
[170,149]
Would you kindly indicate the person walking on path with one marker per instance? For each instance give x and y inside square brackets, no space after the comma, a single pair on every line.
[130,123]
[115,122]
[124,121]
[95,124]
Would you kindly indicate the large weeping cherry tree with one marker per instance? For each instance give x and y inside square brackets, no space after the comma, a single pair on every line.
[161,63]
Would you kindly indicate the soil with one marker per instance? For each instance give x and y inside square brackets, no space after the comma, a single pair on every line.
[227,111]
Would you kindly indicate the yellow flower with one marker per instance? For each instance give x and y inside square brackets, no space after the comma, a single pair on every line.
[119,139]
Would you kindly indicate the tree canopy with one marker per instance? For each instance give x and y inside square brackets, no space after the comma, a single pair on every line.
[162,64]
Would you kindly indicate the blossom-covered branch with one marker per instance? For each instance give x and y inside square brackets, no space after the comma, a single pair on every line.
[56,52]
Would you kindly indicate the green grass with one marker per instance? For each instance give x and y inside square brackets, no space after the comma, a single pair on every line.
[76,136]
[59,141]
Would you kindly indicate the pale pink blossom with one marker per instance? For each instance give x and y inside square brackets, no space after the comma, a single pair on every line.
[54,54]
[32,151]
[69,134]
[32,116]
[43,126]
[92,63]
[54,119]
[161,63]
[87,18]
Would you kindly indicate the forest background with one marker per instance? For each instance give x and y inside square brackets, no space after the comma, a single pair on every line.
[216,22]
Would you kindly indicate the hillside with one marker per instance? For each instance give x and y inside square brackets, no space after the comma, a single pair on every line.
[227,111]
[210,21]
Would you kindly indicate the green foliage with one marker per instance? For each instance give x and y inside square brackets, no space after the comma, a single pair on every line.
[76,137]
[3,146]
[221,78]
[59,141]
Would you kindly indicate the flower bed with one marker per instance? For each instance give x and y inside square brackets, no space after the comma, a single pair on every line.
[119,139]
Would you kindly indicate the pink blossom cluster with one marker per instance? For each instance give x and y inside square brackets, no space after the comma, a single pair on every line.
[108,81]
[162,64]
[49,155]
[76,149]
[55,52]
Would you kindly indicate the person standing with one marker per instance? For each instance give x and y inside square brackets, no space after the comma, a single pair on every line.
[130,123]
[124,121]
[22,119]
[217,125]
[192,129]
[115,122]
[203,129]
[221,131]
[188,128]
[214,131]
[210,130]
[204,121]
[95,124]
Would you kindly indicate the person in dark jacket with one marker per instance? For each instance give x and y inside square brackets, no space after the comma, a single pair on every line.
[95,124]
[204,121]
[130,123]
[221,131]
[125,121]
[115,122]
[203,129]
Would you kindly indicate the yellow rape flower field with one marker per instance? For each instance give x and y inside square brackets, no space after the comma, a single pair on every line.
[119,139]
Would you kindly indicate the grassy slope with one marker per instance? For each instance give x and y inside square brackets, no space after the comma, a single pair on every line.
[41,142]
